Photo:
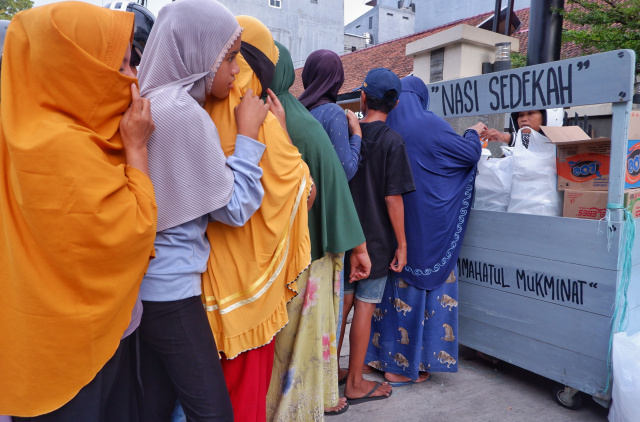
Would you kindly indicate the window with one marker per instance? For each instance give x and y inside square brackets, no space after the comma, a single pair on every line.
[389,14]
[275,3]
[405,17]
[314,1]
[370,22]
[357,26]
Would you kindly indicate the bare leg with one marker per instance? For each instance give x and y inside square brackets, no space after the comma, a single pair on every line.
[346,308]
[357,386]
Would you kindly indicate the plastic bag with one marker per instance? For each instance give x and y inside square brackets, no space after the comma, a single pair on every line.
[493,181]
[625,406]
[534,182]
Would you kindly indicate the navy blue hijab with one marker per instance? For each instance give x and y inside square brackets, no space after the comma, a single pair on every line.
[444,169]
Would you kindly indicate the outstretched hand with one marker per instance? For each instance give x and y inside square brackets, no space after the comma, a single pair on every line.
[478,127]
[495,135]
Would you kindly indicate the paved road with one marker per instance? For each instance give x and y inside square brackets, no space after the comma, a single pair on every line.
[478,392]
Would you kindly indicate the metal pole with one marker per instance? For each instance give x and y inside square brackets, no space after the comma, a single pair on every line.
[507,21]
[554,31]
[496,15]
[545,32]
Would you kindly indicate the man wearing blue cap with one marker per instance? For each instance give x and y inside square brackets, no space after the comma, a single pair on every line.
[383,177]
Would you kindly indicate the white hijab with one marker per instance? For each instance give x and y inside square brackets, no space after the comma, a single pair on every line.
[187,166]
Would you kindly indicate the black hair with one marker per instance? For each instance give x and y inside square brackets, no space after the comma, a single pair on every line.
[514,119]
[385,104]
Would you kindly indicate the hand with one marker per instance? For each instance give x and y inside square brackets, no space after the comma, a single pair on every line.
[250,114]
[354,124]
[136,125]
[360,263]
[478,127]
[399,260]
[276,108]
[495,135]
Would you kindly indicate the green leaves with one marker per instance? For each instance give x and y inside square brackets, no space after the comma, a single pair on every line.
[8,8]
[608,24]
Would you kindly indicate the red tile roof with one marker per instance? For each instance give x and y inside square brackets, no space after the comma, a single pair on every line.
[391,54]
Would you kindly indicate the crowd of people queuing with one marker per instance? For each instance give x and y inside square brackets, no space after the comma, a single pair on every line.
[188,244]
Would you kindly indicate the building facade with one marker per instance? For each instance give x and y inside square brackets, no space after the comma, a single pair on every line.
[302,26]
[387,20]
[391,19]
[433,13]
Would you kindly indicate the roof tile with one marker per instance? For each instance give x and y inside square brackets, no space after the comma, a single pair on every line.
[391,54]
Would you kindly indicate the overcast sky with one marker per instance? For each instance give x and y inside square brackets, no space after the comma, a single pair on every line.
[352,8]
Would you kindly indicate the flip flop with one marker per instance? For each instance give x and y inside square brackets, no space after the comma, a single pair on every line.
[367,397]
[405,383]
[401,383]
[339,412]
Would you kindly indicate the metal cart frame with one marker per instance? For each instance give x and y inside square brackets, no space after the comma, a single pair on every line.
[536,291]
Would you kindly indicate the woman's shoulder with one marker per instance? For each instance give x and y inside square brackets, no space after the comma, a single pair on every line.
[332,108]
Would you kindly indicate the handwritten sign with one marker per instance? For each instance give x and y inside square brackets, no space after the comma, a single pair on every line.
[563,83]
[555,288]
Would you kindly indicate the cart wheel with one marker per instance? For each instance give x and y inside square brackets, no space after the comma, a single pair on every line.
[574,402]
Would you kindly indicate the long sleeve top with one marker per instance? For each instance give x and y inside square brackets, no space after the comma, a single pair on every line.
[332,118]
[182,251]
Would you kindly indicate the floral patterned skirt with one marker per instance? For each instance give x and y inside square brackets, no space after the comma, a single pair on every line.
[305,368]
[415,330]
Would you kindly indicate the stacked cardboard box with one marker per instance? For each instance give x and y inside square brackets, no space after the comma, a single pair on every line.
[583,170]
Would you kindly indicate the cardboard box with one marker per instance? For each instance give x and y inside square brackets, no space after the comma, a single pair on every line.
[592,205]
[632,178]
[582,163]
[632,201]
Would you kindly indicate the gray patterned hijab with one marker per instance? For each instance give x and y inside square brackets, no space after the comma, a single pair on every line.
[188,168]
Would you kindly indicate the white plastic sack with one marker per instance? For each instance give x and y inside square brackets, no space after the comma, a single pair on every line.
[493,181]
[534,182]
[625,395]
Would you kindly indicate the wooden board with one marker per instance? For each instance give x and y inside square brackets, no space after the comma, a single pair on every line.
[561,365]
[569,285]
[608,76]
[570,329]
[581,242]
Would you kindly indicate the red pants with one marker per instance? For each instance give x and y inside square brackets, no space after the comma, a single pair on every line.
[248,376]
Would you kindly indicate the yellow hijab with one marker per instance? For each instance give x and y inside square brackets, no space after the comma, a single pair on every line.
[252,269]
[77,224]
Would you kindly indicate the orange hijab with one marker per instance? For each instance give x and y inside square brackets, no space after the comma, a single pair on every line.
[252,269]
[77,224]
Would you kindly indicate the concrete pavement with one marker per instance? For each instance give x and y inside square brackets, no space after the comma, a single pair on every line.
[479,392]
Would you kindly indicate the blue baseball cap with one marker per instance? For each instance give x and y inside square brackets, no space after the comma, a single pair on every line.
[379,81]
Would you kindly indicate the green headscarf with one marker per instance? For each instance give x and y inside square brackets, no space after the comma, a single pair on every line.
[333,221]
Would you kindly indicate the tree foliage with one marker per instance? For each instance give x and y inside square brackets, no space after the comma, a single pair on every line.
[8,8]
[518,60]
[609,24]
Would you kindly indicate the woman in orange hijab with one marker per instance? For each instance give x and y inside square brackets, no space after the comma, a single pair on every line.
[252,269]
[77,212]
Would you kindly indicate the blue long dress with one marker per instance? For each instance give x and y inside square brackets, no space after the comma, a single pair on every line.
[415,327]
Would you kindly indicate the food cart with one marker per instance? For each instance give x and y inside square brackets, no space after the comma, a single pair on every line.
[540,292]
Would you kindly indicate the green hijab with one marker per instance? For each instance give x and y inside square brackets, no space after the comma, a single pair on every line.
[333,221]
